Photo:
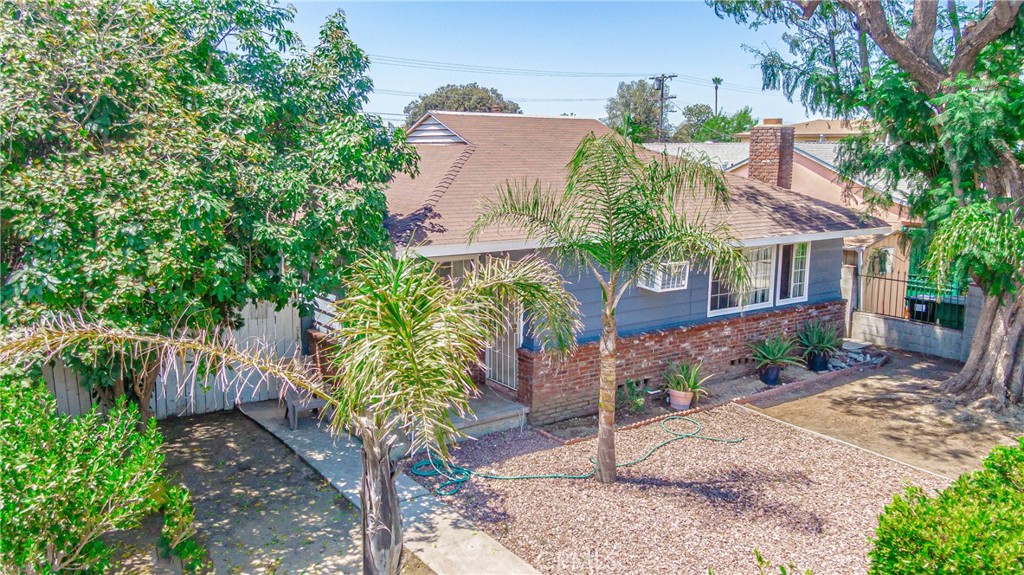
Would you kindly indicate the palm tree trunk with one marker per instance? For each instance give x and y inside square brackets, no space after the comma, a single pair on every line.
[606,399]
[382,517]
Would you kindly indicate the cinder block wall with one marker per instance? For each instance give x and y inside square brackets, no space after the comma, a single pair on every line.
[555,389]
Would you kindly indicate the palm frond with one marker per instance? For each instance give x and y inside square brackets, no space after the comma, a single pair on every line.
[46,339]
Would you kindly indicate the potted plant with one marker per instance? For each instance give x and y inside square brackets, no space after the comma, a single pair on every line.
[685,385]
[820,342]
[772,355]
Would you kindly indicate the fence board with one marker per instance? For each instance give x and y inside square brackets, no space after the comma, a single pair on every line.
[174,396]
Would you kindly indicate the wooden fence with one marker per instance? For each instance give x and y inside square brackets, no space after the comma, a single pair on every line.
[176,396]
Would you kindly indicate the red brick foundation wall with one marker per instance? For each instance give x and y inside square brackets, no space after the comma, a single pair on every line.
[556,389]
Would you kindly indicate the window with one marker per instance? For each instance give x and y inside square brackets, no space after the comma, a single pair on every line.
[794,261]
[670,276]
[760,265]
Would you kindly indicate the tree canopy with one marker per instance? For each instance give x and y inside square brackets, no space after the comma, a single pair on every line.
[459,98]
[165,163]
[943,85]
[638,102]
[700,124]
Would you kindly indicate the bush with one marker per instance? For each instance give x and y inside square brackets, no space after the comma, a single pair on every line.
[67,481]
[976,525]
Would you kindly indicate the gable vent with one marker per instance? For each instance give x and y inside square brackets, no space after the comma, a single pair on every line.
[431,131]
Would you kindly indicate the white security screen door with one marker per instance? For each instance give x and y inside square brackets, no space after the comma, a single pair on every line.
[501,358]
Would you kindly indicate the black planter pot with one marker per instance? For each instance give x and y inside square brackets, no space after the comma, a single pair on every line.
[817,362]
[770,375]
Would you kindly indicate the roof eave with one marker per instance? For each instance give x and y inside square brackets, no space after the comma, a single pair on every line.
[449,250]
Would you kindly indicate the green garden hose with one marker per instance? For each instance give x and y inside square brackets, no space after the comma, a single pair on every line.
[456,476]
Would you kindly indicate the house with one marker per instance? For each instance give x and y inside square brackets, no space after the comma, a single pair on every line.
[888,281]
[794,241]
[821,130]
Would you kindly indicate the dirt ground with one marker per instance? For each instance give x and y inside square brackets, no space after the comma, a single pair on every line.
[898,411]
[259,508]
[795,496]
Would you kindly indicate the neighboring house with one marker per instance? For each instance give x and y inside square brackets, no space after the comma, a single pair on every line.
[827,130]
[795,243]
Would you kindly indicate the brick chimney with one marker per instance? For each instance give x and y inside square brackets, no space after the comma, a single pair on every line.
[496,108]
[771,153]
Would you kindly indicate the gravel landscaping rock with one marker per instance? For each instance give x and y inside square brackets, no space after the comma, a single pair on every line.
[796,496]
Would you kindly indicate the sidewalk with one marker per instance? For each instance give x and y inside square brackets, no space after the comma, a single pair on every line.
[440,537]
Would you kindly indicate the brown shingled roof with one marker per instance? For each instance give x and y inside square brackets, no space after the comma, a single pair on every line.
[441,203]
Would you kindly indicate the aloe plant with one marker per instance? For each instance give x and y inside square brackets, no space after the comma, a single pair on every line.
[686,377]
[817,337]
[775,351]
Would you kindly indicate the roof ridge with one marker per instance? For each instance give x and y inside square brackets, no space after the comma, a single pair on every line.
[449,177]
[512,115]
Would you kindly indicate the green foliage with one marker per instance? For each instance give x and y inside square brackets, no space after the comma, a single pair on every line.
[67,481]
[700,125]
[176,536]
[638,101]
[631,395]
[976,525]
[685,377]
[459,98]
[818,337]
[775,351]
[155,178]
[409,333]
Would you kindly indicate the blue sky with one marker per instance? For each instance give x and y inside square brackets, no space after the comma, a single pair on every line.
[684,38]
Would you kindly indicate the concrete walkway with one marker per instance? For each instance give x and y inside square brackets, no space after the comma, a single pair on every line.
[440,537]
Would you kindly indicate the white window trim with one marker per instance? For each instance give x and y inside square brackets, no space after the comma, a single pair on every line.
[770,302]
[807,276]
[656,286]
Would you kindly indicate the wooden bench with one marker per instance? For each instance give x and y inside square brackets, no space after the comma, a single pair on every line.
[294,403]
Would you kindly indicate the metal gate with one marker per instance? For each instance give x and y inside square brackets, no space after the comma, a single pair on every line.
[501,358]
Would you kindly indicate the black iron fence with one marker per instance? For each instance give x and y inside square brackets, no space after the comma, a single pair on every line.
[913,297]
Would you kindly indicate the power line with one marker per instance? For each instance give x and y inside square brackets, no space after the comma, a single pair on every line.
[515,98]
[505,71]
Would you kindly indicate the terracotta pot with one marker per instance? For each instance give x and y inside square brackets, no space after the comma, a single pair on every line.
[680,400]
[770,375]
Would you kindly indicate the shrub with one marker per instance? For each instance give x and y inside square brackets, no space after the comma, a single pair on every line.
[976,525]
[817,337]
[631,395]
[67,481]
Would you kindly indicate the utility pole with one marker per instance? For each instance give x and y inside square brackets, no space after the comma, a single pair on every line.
[659,85]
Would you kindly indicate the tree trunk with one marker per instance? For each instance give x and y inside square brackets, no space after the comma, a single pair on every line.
[382,517]
[995,366]
[606,399]
[143,386]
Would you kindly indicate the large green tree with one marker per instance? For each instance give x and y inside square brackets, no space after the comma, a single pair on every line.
[638,103]
[460,98]
[943,84]
[622,213]
[163,163]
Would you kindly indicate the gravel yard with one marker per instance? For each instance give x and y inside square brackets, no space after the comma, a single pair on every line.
[695,504]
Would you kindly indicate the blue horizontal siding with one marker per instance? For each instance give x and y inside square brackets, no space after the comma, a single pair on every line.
[641,310]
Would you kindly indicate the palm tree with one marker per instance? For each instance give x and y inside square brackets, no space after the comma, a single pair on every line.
[401,354]
[717,82]
[405,338]
[621,214]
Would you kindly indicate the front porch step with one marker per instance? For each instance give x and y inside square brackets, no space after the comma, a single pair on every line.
[493,413]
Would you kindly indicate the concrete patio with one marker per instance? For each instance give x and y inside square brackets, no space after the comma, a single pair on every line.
[441,538]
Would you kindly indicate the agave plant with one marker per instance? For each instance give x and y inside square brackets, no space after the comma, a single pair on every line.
[776,351]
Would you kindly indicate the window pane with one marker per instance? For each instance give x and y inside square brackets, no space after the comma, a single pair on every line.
[759,268]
